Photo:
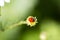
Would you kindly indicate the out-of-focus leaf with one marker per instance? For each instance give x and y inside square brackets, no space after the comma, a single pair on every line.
[14,12]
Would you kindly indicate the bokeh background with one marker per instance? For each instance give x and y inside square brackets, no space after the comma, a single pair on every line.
[46,11]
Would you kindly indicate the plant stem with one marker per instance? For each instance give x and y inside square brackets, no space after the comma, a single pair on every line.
[14,25]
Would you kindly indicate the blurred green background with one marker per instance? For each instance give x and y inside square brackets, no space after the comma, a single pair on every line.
[46,11]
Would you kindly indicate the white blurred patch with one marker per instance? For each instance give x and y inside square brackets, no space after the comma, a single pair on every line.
[43,36]
[7,1]
[1,2]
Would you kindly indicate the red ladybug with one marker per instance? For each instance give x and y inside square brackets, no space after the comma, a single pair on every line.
[31,19]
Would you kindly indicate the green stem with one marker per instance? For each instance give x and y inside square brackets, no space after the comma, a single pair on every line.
[15,25]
